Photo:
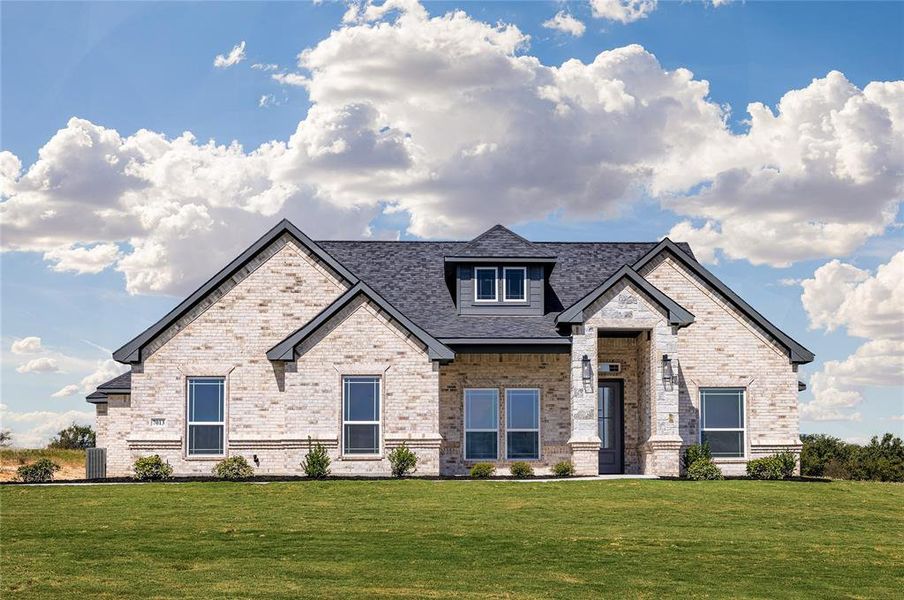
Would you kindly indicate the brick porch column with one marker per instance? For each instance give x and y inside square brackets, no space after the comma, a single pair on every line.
[662,449]
[585,439]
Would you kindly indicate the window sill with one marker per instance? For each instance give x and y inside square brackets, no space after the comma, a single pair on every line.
[206,457]
[729,460]
[361,457]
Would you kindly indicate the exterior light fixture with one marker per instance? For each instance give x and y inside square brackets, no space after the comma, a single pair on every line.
[586,369]
[668,374]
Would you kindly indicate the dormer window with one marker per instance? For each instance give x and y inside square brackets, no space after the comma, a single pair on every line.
[513,284]
[485,289]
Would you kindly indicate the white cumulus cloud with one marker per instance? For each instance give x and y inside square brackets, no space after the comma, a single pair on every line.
[234,57]
[452,122]
[566,23]
[39,365]
[622,11]
[866,305]
[27,345]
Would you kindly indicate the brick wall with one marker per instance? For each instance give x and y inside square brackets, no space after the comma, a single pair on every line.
[725,349]
[548,372]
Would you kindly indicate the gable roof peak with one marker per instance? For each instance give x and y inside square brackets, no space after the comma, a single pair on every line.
[501,242]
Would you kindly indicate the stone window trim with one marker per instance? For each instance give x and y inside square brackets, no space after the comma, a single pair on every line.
[223,374]
[465,429]
[539,424]
[745,442]
[354,373]
[495,297]
[524,286]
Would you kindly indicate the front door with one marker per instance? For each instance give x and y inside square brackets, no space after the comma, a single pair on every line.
[609,409]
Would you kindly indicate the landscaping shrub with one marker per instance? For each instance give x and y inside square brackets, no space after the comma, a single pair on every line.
[233,468]
[521,469]
[482,470]
[402,460]
[316,463]
[881,460]
[819,451]
[152,468]
[780,466]
[38,472]
[694,453]
[703,469]
[563,469]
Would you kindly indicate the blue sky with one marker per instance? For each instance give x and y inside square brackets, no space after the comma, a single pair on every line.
[133,66]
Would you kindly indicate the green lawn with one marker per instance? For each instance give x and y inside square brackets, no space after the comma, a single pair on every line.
[416,539]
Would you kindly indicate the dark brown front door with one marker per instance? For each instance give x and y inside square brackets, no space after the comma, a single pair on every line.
[609,408]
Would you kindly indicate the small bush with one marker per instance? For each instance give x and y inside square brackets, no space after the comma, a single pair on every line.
[563,469]
[694,453]
[316,463]
[521,469]
[403,461]
[152,468]
[233,468]
[482,470]
[38,472]
[780,466]
[703,469]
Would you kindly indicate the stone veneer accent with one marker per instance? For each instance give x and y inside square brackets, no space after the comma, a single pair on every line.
[624,307]
[723,348]
[548,372]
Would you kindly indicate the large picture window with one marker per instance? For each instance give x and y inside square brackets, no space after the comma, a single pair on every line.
[722,421]
[514,281]
[361,415]
[522,424]
[206,416]
[485,284]
[481,424]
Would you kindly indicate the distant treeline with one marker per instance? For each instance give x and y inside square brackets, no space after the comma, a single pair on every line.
[826,456]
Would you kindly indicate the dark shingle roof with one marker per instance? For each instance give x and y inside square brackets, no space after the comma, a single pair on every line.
[120,382]
[411,276]
[499,242]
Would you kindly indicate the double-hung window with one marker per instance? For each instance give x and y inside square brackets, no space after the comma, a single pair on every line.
[481,424]
[514,282]
[522,424]
[361,415]
[206,416]
[722,421]
[485,284]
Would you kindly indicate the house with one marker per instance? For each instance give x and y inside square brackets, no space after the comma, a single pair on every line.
[612,355]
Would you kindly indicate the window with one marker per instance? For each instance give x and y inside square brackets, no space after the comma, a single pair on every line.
[722,415]
[485,284]
[514,280]
[522,424]
[361,415]
[481,424]
[206,416]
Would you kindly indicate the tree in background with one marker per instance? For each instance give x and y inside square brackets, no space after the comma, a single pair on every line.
[74,437]
[823,455]
[826,456]
[6,438]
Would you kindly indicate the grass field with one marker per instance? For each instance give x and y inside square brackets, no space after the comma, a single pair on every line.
[424,539]
[72,462]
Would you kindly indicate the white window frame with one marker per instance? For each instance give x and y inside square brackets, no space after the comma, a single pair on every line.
[188,423]
[466,429]
[537,430]
[378,422]
[505,297]
[742,412]
[495,297]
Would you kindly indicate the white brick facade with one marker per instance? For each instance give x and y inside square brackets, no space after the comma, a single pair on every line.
[273,407]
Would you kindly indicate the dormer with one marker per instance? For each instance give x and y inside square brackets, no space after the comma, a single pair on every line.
[500,273]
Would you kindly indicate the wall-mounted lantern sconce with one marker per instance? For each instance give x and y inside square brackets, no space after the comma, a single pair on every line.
[586,369]
[668,374]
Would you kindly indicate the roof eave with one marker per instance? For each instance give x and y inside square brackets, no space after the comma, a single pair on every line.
[500,259]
